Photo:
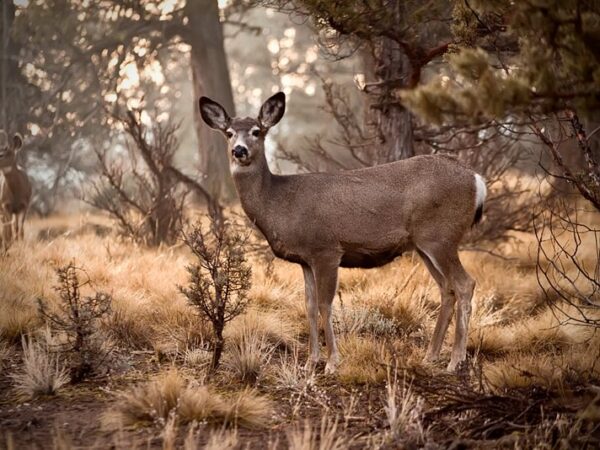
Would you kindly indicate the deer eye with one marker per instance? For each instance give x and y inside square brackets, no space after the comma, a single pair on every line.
[256,132]
[229,134]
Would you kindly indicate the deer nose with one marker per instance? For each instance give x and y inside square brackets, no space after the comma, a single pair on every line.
[240,151]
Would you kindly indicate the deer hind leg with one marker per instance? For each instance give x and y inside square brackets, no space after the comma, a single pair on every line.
[446,308]
[458,288]
[463,286]
[326,278]
[312,314]
[14,224]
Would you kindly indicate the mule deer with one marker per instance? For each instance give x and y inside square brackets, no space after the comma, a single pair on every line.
[357,218]
[15,190]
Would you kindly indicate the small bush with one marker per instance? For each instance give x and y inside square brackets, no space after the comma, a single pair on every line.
[78,317]
[219,280]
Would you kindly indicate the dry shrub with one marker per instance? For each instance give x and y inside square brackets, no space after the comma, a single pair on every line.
[77,317]
[153,401]
[219,279]
[41,373]
[325,438]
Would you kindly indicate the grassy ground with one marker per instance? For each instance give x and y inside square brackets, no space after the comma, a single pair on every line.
[532,382]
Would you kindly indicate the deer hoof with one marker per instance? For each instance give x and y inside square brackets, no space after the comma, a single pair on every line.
[455,365]
[430,358]
[310,366]
[331,366]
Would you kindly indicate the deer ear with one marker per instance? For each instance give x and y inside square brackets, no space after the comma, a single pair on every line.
[17,141]
[214,114]
[272,110]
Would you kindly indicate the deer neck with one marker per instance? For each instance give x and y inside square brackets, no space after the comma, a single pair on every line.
[253,184]
[9,171]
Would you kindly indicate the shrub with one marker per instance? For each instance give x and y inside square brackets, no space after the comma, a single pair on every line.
[77,317]
[219,280]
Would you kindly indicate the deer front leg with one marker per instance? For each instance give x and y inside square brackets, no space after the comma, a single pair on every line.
[312,313]
[6,230]
[326,277]
[21,224]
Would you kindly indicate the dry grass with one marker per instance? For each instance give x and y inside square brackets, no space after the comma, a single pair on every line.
[324,438]
[247,355]
[272,327]
[403,410]
[41,372]
[384,317]
[365,360]
[170,394]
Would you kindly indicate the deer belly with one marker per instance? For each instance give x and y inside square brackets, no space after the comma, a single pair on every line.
[13,207]
[368,260]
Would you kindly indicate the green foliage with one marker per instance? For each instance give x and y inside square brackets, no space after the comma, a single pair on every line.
[532,57]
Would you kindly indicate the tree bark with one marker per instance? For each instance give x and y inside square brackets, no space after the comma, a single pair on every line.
[7,64]
[210,78]
[385,70]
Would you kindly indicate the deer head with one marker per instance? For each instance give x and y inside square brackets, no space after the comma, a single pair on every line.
[8,150]
[245,136]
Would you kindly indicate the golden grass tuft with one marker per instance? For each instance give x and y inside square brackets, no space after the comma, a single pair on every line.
[41,373]
[364,360]
[577,365]
[247,355]
[170,393]
[270,326]
[549,330]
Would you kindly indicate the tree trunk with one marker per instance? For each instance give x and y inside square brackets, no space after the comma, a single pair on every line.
[7,12]
[211,78]
[218,346]
[394,120]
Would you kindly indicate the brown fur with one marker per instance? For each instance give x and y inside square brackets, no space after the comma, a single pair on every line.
[358,218]
[15,191]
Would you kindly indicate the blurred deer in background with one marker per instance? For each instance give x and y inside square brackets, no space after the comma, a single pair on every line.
[15,190]
[357,218]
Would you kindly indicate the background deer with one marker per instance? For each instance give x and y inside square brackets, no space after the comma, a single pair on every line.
[15,190]
[357,218]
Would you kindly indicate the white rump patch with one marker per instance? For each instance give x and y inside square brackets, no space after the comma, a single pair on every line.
[480,191]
